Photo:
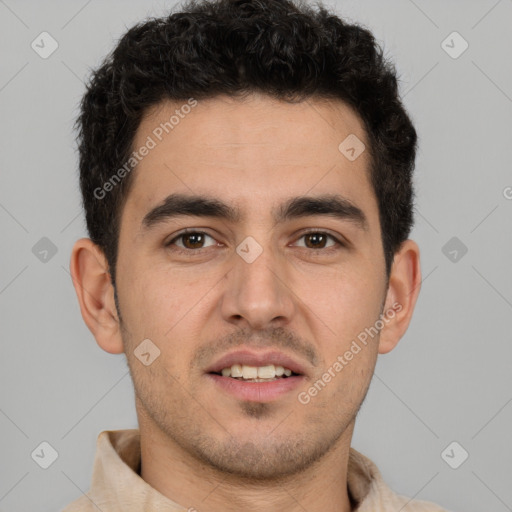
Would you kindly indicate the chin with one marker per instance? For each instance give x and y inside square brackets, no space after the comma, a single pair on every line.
[263,459]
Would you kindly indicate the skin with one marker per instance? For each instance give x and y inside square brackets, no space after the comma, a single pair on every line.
[201,447]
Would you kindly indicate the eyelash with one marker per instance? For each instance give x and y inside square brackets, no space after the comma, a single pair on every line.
[339,243]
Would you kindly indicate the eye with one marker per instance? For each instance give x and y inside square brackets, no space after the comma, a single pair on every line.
[318,240]
[190,240]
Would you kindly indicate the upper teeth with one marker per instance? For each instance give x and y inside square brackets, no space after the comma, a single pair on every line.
[253,372]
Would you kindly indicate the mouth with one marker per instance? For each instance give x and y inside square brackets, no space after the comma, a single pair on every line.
[247,373]
[256,377]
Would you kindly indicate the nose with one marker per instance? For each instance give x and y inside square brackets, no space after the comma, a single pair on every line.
[257,294]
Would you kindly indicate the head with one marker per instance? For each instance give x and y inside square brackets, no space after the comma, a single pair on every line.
[239,121]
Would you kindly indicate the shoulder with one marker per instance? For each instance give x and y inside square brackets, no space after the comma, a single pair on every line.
[372,493]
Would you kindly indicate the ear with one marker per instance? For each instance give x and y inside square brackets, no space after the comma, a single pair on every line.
[93,286]
[403,290]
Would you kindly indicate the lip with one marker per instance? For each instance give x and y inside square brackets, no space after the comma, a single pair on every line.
[256,391]
[251,358]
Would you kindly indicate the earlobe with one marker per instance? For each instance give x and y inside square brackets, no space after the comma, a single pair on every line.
[93,286]
[403,290]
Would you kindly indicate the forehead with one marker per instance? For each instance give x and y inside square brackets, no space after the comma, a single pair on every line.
[250,152]
[228,124]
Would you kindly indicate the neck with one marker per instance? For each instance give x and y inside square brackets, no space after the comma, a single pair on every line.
[182,478]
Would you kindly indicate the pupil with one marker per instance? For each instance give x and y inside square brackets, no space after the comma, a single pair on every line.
[316,237]
[197,242]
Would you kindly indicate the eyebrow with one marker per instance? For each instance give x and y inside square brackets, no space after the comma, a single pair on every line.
[332,205]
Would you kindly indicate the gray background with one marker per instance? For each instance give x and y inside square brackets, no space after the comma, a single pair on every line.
[450,377]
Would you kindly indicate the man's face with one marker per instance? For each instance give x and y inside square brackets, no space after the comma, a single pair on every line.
[252,285]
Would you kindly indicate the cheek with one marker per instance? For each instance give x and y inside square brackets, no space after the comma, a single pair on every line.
[343,303]
[151,301]
[166,307]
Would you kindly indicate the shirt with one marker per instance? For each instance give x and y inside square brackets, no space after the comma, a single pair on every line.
[117,486]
